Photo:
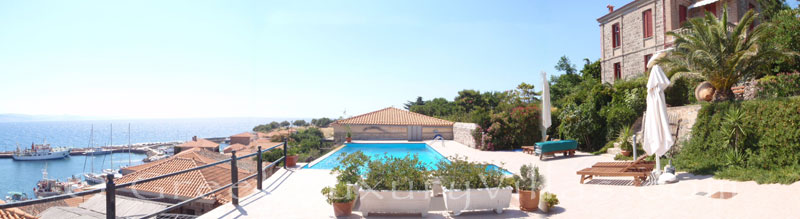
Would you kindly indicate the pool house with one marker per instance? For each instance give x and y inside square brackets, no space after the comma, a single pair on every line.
[392,124]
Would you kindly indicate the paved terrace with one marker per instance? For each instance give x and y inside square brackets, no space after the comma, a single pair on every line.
[296,194]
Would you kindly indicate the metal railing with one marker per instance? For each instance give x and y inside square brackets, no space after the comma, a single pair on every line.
[111,188]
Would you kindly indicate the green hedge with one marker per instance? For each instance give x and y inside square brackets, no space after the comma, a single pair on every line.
[769,148]
[781,85]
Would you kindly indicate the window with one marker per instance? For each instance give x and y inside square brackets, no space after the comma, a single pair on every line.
[647,23]
[615,38]
[617,71]
[647,60]
[711,8]
[682,14]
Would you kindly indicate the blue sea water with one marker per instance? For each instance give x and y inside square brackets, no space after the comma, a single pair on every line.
[21,176]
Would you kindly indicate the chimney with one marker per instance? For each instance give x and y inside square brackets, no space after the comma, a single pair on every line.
[194,138]
[610,8]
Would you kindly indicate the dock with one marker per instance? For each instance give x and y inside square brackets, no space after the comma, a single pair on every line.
[136,149]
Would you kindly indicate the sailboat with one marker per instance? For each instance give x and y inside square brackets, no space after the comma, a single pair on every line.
[97,178]
[92,178]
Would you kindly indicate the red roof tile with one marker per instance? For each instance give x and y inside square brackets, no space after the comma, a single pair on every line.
[14,213]
[188,184]
[394,116]
[199,142]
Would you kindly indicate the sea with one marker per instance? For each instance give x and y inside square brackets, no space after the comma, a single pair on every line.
[21,176]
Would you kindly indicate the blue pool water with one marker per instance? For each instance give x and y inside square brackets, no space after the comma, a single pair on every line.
[426,154]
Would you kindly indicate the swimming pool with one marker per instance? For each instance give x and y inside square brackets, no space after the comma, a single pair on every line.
[426,154]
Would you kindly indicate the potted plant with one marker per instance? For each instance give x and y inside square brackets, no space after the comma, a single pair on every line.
[341,197]
[548,201]
[350,168]
[349,137]
[624,137]
[291,156]
[395,185]
[472,186]
[530,183]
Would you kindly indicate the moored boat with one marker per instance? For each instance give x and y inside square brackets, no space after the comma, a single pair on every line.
[16,197]
[41,152]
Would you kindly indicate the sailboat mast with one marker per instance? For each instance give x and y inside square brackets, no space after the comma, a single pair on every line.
[129,144]
[91,142]
[111,143]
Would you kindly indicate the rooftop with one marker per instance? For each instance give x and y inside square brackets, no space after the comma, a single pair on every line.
[394,116]
[199,142]
[14,213]
[189,184]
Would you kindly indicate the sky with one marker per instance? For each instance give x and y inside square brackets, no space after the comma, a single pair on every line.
[289,58]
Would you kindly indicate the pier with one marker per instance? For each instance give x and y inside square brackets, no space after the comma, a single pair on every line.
[136,149]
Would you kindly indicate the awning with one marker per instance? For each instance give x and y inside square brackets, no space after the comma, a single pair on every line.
[701,3]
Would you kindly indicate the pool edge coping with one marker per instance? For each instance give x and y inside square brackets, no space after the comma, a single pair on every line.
[320,159]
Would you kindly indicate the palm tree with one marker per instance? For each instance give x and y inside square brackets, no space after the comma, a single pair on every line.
[722,55]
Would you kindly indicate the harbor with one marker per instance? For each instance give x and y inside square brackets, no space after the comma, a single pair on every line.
[136,149]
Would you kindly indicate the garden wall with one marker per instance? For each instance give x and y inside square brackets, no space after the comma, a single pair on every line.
[688,116]
[462,133]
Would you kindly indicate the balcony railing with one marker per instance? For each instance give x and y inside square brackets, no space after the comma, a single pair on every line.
[111,187]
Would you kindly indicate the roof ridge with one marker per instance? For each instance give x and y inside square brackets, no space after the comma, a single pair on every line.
[363,115]
[205,180]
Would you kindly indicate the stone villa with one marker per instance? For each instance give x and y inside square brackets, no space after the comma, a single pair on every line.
[631,34]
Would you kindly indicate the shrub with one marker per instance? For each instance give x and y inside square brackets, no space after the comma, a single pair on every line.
[460,174]
[529,179]
[510,130]
[781,85]
[393,173]
[341,193]
[550,199]
[769,142]
[510,181]
[351,167]
[681,91]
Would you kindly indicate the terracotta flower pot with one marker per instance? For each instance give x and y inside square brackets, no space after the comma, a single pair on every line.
[626,153]
[528,200]
[291,160]
[349,139]
[343,209]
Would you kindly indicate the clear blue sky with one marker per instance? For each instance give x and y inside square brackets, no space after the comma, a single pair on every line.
[298,58]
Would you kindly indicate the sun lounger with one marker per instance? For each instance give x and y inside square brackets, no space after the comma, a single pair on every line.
[566,147]
[638,169]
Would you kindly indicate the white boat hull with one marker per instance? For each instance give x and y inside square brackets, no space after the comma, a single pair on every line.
[49,156]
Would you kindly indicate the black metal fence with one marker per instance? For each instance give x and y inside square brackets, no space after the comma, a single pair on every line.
[111,187]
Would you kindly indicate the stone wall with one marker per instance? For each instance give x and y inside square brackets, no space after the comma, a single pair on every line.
[688,116]
[462,133]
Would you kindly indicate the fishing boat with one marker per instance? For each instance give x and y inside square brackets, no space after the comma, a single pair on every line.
[16,197]
[52,187]
[41,152]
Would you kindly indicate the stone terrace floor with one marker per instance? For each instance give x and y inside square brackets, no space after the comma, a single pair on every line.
[295,193]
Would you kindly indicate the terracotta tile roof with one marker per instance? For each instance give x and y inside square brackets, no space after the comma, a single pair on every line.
[243,134]
[189,184]
[199,142]
[235,147]
[394,116]
[14,213]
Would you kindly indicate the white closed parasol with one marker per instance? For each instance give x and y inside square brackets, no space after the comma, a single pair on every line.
[657,136]
[547,121]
